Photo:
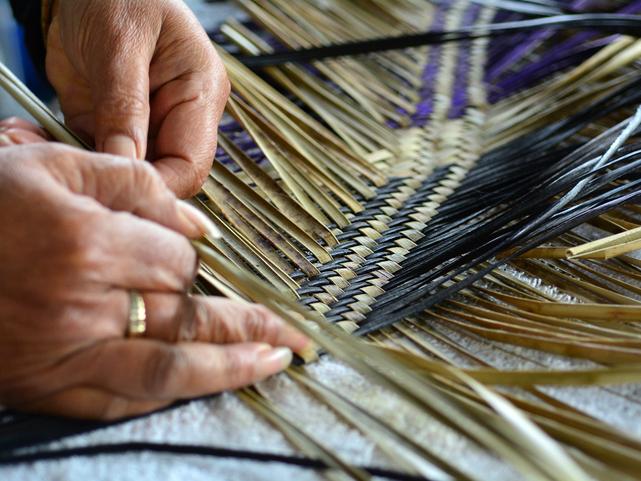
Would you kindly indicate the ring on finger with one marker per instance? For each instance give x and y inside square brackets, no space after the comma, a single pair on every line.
[137,315]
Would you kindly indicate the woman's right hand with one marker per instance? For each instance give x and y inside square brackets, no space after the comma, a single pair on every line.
[78,231]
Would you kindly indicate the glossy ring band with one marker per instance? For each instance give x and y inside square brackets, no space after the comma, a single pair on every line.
[137,315]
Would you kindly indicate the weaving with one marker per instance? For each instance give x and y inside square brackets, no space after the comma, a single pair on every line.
[482,183]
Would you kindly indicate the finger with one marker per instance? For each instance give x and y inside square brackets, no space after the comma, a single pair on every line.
[17,136]
[22,124]
[6,141]
[119,83]
[142,255]
[174,318]
[92,403]
[185,115]
[125,185]
[154,370]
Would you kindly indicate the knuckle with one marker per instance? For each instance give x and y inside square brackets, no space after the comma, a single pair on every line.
[237,370]
[52,152]
[88,255]
[58,149]
[120,104]
[84,246]
[88,238]
[163,371]
[146,178]
[176,261]
[259,322]
[60,160]
[148,184]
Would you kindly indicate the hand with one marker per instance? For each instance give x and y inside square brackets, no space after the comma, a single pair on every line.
[78,231]
[141,80]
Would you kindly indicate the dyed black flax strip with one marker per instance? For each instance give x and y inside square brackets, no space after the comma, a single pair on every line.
[481,243]
[194,450]
[366,272]
[24,430]
[513,208]
[512,174]
[605,22]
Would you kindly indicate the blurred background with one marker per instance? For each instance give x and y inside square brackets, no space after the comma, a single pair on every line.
[14,55]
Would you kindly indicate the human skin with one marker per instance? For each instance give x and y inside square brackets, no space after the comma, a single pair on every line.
[142,80]
[78,231]
[16,131]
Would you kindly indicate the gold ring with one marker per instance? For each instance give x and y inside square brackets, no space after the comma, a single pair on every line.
[137,315]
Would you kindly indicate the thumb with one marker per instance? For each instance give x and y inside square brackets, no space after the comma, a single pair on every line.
[120,90]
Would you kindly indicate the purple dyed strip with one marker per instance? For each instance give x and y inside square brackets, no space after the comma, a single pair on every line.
[502,48]
[425,105]
[549,70]
[552,59]
[497,46]
[533,40]
[590,5]
[222,155]
[532,73]
[582,37]
[632,7]
[552,55]
[461,79]
[242,140]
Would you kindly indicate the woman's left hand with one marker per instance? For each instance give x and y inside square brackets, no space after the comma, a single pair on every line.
[141,80]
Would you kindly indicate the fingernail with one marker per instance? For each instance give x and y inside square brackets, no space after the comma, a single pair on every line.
[120,145]
[203,223]
[275,359]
